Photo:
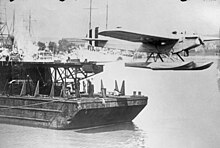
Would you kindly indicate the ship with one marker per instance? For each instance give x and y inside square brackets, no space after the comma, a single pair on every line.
[49,95]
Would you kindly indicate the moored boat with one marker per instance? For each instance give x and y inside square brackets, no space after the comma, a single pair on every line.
[48,95]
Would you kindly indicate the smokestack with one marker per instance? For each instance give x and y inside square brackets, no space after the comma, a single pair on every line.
[96,35]
[123,88]
[96,32]
[90,36]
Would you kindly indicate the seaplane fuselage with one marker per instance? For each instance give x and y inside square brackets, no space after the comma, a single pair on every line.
[172,46]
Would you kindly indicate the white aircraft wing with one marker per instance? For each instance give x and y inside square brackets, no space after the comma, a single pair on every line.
[206,39]
[150,43]
[203,38]
[136,37]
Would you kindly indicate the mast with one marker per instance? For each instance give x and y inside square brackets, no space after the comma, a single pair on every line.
[90,15]
[90,18]
[29,23]
[13,29]
[4,30]
[218,50]
[106,27]
[218,64]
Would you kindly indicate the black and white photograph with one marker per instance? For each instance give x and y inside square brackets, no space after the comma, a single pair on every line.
[109,73]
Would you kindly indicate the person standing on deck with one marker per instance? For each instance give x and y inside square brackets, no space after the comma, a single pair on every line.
[90,88]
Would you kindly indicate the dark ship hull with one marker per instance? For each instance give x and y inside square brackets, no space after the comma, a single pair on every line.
[69,114]
[31,95]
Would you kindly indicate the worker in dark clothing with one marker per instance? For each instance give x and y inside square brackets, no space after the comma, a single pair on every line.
[90,88]
[7,58]
[84,86]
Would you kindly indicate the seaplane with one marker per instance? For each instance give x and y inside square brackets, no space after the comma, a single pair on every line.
[160,48]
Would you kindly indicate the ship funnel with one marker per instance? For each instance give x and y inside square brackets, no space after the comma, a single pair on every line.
[36,93]
[23,89]
[90,36]
[52,91]
[96,36]
[103,90]
[102,85]
[123,88]
[116,86]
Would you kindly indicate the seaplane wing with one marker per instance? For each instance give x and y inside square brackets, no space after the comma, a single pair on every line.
[134,37]
[206,39]
[150,43]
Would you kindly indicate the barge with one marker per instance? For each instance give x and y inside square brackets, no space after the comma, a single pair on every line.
[49,95]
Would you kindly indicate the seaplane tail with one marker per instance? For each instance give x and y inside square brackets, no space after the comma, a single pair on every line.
[157,46]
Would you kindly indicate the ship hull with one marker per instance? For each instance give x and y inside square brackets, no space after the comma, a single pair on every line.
[64,114]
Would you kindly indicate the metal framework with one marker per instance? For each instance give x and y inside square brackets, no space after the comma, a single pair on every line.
[156,56]
[46,77]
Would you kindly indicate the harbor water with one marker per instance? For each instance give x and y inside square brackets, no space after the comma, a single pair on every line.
[183,111]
